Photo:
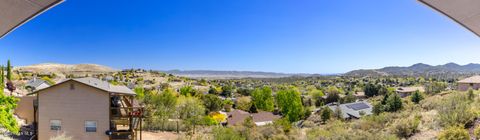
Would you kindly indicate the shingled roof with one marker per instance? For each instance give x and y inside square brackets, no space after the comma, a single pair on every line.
[97,83]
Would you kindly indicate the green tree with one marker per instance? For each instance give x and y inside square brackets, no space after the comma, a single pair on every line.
[416,97]
[2,78]
[326,114]
[394,103]
[7,105]
[371,90]
[290,104]
[163,105]
[191,110]
[244,103]
[9,71]
[187,91]
[263,99]
[212,103]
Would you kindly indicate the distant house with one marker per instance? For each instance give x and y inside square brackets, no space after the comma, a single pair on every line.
[261,118]
[360,95]
[86,108]
[407,91]
[36,84]
[470,82]
[352,110]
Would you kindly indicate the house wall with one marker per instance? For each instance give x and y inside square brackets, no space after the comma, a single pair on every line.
[73,108]
[24,108]
[466,86]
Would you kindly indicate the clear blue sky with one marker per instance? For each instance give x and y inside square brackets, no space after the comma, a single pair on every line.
[307,36]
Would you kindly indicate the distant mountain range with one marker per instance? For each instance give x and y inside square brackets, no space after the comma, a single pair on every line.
[229,74]
[420,69]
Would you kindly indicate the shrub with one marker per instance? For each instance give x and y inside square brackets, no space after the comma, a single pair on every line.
[406,127]
[225,133]
[455,111]
[476,132]
[454,133]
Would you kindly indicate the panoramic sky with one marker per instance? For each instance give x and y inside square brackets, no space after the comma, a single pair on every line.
[290,36]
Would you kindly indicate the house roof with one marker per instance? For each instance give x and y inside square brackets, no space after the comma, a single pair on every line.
[474,80]
[238,116]
[97,83]
[14,13]
[352,109]
[464,12]
[410,89]
[35,83]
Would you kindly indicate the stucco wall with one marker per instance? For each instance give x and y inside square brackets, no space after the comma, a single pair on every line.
[466,86]
[73,108]
[24,108]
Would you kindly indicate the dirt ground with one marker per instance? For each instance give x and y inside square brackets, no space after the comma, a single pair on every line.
[146,135]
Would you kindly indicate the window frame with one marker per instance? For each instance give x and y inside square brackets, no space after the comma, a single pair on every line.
[86,127]
[52,128]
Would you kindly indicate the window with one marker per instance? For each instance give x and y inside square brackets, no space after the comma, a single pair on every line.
[55,125]
[90,126]
[72,86]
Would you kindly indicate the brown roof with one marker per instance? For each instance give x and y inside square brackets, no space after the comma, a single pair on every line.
[263,116]
[464,12]
[410,89]
[473,79]
[238,116]
[14,13]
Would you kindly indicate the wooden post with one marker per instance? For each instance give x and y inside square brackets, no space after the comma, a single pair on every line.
[141,120]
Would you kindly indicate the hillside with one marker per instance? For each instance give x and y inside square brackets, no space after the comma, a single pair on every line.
[420,69]
[65,68]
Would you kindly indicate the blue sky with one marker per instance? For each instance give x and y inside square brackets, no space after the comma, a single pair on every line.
[291,36]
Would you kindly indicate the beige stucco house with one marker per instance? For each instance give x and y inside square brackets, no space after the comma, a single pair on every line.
[86,109]
[470,82]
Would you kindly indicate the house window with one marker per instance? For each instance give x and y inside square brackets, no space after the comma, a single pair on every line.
[90,126]
[55,125]
[72,87]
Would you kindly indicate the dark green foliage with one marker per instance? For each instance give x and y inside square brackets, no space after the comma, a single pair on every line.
[212,103]
[417,97]
[9,71]
[332,97]
[371,90]
[227,90]
[326,114]
[394,103]
[212,90]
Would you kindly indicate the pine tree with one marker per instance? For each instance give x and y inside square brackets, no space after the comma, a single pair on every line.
[2,78]
[326,114]
[9,71]
[417,97]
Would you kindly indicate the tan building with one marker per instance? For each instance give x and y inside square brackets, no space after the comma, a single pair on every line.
[470,82]
[87,109]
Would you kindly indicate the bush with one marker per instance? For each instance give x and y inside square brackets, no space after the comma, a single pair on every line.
[406,127]
[223,133]
[476,132]
[454,133]
[455,111]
